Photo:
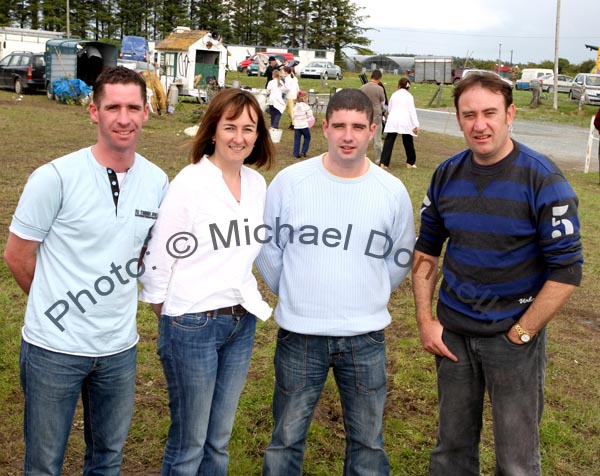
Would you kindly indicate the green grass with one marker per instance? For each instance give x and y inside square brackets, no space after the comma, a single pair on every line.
[35,130]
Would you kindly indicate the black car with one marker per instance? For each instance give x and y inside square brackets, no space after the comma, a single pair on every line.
[23,70]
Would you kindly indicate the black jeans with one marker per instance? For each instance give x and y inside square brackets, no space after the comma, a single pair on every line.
[388,146]
[513,376]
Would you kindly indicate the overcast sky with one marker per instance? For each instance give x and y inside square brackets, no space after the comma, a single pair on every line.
[476,28]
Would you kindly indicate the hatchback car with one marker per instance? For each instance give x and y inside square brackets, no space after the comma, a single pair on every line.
[564,83]
[588,86]
[22,71]
[324,69]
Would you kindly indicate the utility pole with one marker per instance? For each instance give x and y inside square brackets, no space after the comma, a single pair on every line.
[556,35]
[68,20]
[499,57]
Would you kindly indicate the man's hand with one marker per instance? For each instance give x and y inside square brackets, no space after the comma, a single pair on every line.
[157,308]
[431,339]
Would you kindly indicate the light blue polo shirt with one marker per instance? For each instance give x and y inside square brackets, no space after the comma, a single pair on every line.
[83,298]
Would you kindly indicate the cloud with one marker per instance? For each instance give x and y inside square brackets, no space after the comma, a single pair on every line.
[457,15]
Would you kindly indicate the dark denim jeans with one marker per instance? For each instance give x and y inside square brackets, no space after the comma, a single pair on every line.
[513,375]
[298,134]
[205,358]
[52,383]
[275,117]
[302,363]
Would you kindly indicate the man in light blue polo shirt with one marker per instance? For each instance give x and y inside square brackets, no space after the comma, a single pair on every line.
[74,247]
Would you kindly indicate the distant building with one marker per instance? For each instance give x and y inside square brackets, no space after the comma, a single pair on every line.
[387,64]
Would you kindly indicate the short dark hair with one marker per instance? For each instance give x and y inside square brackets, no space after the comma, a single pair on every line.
[351,100]
[234,102]
[376,74]
[404,83]
[117,75]
[486,81]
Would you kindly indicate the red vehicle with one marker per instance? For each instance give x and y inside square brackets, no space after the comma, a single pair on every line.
[282,57]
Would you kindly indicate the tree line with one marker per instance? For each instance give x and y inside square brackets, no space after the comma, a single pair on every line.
[332,25]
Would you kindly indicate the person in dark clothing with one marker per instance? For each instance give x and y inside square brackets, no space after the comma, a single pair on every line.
[512,260]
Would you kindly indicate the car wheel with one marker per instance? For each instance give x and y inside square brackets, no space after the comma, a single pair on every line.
[338,76]
[550,89]
[18,86]
[325,76]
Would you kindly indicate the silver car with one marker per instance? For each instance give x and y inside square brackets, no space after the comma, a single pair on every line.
[563,83]
[324,69]
[588,86]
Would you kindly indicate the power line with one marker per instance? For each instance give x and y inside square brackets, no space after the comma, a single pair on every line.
[437,32]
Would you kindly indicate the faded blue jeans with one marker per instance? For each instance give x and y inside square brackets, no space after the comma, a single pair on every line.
[513,375]
[302,363]
[205,358]
[52,382]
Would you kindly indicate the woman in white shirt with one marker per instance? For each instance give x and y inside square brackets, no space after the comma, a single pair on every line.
[401,119]
[292,88]
[198,278]
[275,89]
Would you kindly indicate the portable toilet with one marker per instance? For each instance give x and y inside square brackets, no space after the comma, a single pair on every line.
[77,59]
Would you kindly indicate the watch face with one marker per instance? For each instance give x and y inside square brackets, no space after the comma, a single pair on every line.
[525,338]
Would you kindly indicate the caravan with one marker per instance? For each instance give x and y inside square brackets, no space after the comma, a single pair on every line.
[528,74]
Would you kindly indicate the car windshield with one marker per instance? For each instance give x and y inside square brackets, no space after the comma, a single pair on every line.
[592,80]
[316,65]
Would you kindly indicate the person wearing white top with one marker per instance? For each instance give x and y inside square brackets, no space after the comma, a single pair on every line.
[276,103]
[198,278]
[402,119]
[292,88]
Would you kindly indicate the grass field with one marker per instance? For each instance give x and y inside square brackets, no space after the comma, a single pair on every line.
[35,130]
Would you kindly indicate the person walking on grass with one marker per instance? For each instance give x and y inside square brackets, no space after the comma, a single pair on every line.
[513,258]
[303,121]
[401,119]
[376,93]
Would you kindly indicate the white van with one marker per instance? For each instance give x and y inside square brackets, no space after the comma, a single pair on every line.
[530,73]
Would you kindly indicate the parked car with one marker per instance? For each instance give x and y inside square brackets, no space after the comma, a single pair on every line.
[467,72]
[325,69]
[244,65]
[22,71]
[587,85]
[564,83]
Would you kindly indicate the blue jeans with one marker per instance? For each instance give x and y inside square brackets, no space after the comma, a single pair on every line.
[301,366]
[205,358]
[298,134]
[275,117]
[514,378]
[52,383]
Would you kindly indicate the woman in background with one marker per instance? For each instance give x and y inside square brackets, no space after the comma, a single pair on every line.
[291,91]
[401,119]
[200,281]
[275,89]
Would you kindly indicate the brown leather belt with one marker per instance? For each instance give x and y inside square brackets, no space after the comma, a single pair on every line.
[237,310]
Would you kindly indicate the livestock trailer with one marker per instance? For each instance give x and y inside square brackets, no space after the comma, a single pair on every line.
[433,69]
[77,59]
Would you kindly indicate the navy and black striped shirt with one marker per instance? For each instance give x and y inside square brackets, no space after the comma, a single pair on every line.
[510,227]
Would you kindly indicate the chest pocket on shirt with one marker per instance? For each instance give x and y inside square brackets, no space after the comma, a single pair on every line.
[144,221]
